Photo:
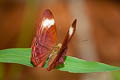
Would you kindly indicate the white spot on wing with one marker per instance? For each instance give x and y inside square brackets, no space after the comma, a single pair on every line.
[71,31]
[48,23]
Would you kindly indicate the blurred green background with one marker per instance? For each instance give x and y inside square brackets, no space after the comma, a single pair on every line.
[97,37]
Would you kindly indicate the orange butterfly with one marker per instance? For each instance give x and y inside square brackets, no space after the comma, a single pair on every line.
[44,45]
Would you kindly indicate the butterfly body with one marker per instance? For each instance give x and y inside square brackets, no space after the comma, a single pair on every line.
[44,46]
[54,53]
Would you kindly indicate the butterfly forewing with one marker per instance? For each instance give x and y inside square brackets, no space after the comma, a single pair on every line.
[44,40]
[61,54]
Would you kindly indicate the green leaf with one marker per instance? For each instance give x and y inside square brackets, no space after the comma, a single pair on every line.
[71,64]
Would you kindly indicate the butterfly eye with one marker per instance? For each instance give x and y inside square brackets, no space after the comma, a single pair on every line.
[36,43]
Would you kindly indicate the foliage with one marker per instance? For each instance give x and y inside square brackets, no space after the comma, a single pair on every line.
[71,64]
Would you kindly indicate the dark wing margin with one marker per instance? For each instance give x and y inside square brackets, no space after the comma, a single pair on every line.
[60,57]
[44,40]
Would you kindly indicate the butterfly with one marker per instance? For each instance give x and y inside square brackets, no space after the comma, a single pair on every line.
[44,46]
